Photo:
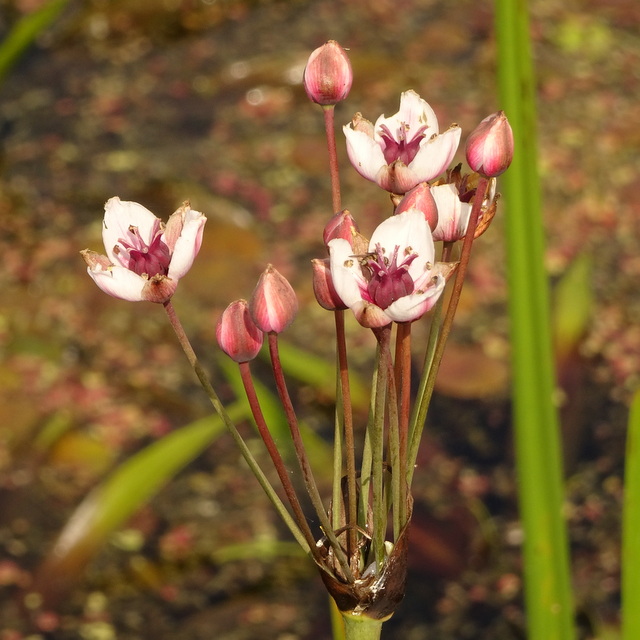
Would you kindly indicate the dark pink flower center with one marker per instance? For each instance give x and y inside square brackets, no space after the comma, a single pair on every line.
[142,258]
[389,280]
[402,147]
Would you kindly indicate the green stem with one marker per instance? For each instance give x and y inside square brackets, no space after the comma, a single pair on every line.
[338,436]
[393,434]
[403,389]
[447,323]
[423,396]
[276,458]
[378,502]
[351,510]
[303,459]
[631,527]
[224,416]
[366,464]
[359,627]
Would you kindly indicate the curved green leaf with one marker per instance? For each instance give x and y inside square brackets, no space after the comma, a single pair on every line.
[110,504]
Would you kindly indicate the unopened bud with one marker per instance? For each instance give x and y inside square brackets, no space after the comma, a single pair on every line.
[341,225]
[325,292]
[490,146]
[273,305]
[328,76]
[453,215]
[420,198]
[237,334]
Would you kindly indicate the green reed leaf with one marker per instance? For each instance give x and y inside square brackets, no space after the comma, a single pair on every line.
[548,594]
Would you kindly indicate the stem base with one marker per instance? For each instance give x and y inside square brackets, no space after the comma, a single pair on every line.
[360,627]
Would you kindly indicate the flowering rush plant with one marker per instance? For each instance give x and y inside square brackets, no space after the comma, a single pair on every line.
[357,537]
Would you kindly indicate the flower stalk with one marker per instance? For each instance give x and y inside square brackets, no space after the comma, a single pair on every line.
[303,459]
[278,462]
[345,419]
[334,171]
[443,331]
[235,434]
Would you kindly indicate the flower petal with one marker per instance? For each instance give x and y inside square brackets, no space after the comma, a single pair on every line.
[410,308]
[159,289]
[408,231]
[364,153]
[416,113]
[188,244]
[118,282]
[397,178]
[273,304]
[345,272]
[435,154]
[370,315]
[119,216]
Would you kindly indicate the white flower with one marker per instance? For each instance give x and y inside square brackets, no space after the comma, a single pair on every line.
[397,280]
[401,151]
[145,258]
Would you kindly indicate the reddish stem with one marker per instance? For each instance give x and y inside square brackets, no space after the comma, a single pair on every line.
[461,271]
[329,126]
[301,454]
[283,474]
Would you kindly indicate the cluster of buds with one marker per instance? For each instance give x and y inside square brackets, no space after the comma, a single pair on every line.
[272,308]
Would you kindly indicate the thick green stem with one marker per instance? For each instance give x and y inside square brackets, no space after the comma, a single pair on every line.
[359,627]
[547,574]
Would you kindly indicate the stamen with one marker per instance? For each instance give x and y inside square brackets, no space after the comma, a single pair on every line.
[389,280]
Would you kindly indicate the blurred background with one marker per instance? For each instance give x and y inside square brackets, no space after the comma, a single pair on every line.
[159,101]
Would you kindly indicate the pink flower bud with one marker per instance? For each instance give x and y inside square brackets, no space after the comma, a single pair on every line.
[325,292]
[273,304]
[328,75]
[420,198]
[237,334]
[490,146]
[342,225]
